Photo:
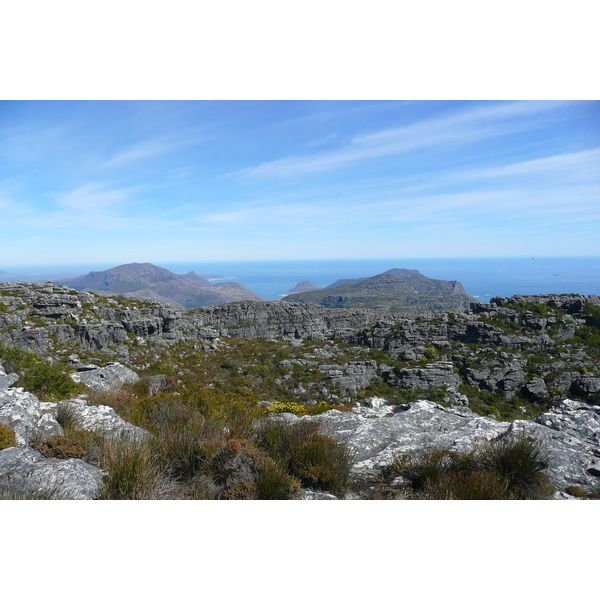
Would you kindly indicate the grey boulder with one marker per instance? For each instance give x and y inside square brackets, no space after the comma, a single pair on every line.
[31,420]
[112,376]
[27,474]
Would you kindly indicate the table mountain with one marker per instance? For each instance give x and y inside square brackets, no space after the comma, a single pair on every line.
[397,290]
[149,281]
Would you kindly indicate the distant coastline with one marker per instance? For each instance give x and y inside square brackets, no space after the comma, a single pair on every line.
[483,278]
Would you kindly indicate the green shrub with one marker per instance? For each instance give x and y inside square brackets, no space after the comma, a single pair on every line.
[134,473]
[274,483]
[430,352]
[7,437]
[315,459]
[184,446]
[473,485]
[287,407]
[576,491]
[521,460]
[511,468]
[45,380]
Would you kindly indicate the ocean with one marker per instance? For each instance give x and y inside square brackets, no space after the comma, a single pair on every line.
[483,278]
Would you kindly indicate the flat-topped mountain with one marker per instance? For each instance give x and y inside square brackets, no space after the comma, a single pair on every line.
[149,281]
[404,291]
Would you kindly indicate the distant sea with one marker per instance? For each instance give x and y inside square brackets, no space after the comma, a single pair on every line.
[483,278]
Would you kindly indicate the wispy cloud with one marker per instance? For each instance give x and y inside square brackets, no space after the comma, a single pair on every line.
[580,166]
[94,197]
[155,147]
[466,126]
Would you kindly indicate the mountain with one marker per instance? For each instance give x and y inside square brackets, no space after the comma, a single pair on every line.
[149,281]
[397,290]
[302,286]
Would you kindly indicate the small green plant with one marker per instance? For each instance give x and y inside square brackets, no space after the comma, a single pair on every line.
[576,491]
[7,437]
[431,352]
[287,407]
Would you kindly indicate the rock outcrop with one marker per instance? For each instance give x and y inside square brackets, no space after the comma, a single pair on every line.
[570,435]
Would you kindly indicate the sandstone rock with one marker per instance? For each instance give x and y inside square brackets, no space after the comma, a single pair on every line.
[314,495]
[113,375]
[6,380]
[101,419]
[30,419]
[27,474]
[377,437]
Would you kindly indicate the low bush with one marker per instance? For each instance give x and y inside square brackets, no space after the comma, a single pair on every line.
[510,468]
[316,460]
[7,437]
[520,459]
[47,381]
[134,472]
[287,407]
[59,446]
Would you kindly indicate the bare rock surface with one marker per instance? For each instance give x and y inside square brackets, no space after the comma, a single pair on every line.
[27,416]
[27,474]
[113,375]
[101,419]
[570,434]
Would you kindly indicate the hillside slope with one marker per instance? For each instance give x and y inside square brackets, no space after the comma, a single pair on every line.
[397,291]
[145,280]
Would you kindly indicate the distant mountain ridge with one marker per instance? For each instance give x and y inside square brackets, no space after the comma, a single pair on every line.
[149,281]
[302,286]
[404,291]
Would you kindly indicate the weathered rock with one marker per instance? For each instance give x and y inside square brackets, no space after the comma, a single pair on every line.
[101,419]
[570,435]
[6,380]
[433,375]
[113,375]
[377,435]
[27,474]
[586,384]
[30,419]
[314,495]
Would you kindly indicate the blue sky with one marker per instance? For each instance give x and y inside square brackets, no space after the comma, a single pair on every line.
[116,182]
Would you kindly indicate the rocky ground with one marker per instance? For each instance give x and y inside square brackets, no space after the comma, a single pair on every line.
[383,384]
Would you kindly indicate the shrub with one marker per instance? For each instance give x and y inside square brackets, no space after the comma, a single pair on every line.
[520,459]
[59,446]
[133,470]
[287,407]
[274,483]
[185,446]
[45,380]
[474,485]
[511,468]
[7,437]
[576,491]
[315,459]
[430,352]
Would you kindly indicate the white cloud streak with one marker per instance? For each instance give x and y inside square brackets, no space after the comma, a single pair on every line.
[466,126]
[155,147]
